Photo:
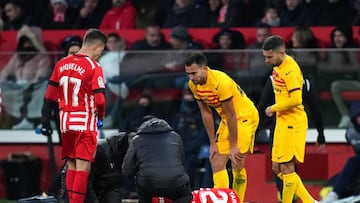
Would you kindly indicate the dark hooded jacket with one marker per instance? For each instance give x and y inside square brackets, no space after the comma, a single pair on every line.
[106,170]
[155,156]
[355,112]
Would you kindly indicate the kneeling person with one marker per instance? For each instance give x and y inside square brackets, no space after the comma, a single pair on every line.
[155,156]
[106,182]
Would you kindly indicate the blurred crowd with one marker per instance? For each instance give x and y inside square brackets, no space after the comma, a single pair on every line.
[130,14]
[23,74]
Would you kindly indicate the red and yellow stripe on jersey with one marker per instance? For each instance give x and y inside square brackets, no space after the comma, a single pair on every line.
[220,87]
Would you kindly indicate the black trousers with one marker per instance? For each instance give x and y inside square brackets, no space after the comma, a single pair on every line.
[177,195]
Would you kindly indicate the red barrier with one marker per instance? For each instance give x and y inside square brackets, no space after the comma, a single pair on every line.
[205,35]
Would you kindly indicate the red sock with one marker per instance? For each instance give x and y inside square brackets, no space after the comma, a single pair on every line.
[80,186]
[69,181]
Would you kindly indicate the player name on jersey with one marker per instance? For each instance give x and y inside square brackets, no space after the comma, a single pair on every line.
[73,67]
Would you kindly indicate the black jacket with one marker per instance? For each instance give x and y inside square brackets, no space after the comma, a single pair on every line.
[156,156]
[106,170]
[309,102]
[355,112]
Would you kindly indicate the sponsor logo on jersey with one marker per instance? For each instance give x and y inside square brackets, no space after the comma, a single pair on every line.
[101,82]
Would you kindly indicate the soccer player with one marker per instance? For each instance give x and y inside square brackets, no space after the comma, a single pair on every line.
[234,138]
[309,102]
[291,119]
[77,87]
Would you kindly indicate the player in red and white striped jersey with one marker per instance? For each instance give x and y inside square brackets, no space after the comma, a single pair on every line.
[77,87]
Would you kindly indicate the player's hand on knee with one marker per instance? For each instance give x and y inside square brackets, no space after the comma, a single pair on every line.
[235,155]
[213,150]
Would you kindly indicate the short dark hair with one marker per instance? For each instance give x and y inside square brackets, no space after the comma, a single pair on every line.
[153,24]
[273,42]
[94,35]
[196,58]
[263,26]
[115,35]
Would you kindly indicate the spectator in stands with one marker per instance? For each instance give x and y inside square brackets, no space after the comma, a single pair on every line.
[347,181]
[335,12]
[296,14]
[271,17]
[110,63]
[262,32]
[256,59]
[155,142]
[147,12]
[67,45]
[148,60]
[34,10]
[189,125]
[122,15]
[135,118]
[59,16]
[188,14]
[227,39]
[90,15]
[232,14]
[214,10]
[356,19]
[180,41]
[23,79]
[154,40]
[303,38]
[16,16]
[254,11]
[29,64]
[341,37]
[72,48]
